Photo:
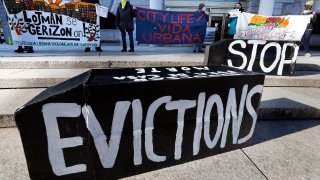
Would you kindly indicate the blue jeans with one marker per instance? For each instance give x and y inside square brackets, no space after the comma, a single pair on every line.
[124,40]
[197,46]
[305,39]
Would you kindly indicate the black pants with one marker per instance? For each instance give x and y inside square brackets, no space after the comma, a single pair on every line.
[305,40]
[124,41]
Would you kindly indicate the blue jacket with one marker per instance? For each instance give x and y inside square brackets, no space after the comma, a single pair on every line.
[233,25]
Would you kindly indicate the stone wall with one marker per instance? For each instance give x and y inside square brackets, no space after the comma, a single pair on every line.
[283,7]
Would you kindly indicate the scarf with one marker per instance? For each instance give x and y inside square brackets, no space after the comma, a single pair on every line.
[123,3]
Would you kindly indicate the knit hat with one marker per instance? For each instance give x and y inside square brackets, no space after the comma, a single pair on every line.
[123,3]
[310,3]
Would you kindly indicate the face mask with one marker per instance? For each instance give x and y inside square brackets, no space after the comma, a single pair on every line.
[203,9]
[123,3]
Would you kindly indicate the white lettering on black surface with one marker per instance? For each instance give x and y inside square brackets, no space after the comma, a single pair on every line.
[278,62]
[108,147]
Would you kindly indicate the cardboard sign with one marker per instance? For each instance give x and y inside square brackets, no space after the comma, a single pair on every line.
[271,28]
[109,124]
[234,13]
[170,27]
[60,23]
[269,57]
[102,11]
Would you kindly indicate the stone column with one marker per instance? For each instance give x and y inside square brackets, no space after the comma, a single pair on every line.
[266,7]
[4,19]
[157,4]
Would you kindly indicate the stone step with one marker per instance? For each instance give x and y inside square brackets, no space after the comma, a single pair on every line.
[43,78]
[277,103]
[96,61]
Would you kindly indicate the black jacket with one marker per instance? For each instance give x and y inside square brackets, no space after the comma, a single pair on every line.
[125,17]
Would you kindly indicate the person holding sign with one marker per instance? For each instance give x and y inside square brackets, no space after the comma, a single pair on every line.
[233,18]
[125,15]
[87,49]
[203,9]
[307,34]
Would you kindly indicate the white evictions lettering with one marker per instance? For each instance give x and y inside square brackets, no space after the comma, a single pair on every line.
[108,147]
[278,62]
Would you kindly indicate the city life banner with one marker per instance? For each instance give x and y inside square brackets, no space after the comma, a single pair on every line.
[170,27]
[271,28]
[53,23]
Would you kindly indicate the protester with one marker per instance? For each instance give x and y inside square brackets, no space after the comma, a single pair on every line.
[28,49]
[125,15]
[87,49]
[198,46]
[232,21]
[307,34]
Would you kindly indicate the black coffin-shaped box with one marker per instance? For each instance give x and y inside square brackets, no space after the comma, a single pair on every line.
[108,124]
[269,57]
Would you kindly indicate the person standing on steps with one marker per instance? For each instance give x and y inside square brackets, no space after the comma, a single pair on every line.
[198,46]
[307,34]
[232,21]
[87,49]
[125,15]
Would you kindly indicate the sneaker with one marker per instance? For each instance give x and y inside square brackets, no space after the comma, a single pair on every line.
[123,50]
[194,51]
[30,50]
[87,50]
[201,51]
[307,55]
[98,49]
[131,50]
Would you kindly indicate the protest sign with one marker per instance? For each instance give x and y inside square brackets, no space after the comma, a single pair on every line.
[269,57]
[234,13]
[102,11]
[170,27]
[114,123]
[48,23]
[271,28]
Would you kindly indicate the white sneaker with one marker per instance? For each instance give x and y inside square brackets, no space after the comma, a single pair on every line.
[307,55]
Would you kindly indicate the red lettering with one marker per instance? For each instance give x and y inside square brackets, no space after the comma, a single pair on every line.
[177,38]
[186,37]
[187,29]
[183,17]
[189,18]
[154,15]
[164,16]
[141,16]
[162,28]
[172,19]
[167,38]
[145,38]
[176,29]
[158,37]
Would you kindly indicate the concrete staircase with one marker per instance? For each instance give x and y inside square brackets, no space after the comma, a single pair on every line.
[23,76]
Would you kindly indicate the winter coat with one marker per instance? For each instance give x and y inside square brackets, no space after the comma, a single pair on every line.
[233,25]
[313,19]
[125,17]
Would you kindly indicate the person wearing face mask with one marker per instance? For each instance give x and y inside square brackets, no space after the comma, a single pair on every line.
[307,34]
[125,15]
[232,21]
[198,46]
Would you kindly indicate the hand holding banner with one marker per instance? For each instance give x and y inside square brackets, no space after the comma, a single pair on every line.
[102,11]
[234,13]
